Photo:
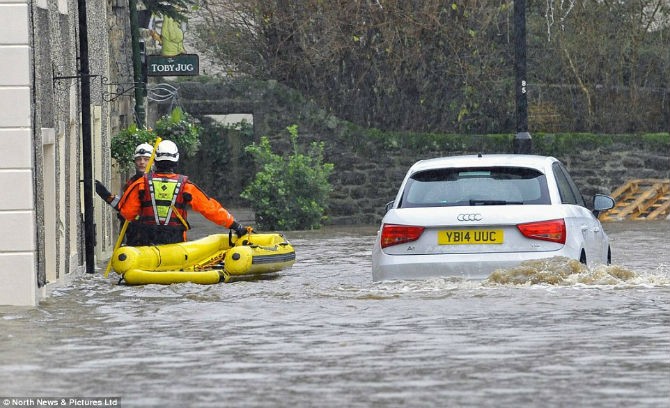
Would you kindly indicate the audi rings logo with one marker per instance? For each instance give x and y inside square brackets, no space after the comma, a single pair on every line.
[469,217]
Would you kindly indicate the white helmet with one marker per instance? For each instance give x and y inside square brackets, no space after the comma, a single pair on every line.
[167,151]
[143,150]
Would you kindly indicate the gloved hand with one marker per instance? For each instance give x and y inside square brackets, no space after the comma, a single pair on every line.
[102,191]
[238,228]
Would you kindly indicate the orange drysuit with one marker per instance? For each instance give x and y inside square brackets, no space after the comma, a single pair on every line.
[137,201]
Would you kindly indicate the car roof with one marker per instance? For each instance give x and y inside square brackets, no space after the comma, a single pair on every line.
[515,160]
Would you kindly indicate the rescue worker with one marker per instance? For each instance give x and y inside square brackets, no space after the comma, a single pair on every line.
[160,200]
[141,158]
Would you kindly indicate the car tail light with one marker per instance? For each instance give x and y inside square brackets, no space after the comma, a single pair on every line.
[393,234]
[552,230]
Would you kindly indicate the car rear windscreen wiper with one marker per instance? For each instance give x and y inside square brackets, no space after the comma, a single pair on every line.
[494,202]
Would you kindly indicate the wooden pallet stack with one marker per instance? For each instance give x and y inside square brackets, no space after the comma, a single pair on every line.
[640,199]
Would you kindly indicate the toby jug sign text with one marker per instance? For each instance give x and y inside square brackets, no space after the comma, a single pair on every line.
[179,65]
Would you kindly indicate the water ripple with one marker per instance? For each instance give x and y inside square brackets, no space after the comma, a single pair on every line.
[323,334]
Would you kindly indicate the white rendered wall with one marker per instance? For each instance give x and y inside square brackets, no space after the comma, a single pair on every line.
[17,209]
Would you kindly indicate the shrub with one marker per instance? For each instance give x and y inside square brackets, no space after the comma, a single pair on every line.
[289,193]
[178,126]
[181,128]
[123,144]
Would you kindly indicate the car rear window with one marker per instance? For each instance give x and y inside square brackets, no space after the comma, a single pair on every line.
[475,186]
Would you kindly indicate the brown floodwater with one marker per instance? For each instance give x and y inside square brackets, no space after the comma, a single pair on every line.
[323,334]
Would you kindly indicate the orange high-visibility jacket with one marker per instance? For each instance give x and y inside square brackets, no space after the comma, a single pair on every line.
[130,205]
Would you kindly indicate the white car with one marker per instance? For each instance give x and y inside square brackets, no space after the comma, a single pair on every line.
[466,216]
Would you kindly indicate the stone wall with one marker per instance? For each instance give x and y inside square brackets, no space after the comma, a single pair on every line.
[365,183]
[110,50]
[370,165]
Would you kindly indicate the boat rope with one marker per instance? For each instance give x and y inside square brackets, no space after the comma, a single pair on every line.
[224,276]
[211,261]
[181,219]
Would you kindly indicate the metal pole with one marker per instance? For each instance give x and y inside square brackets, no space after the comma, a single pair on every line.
[137,64]
[86,142]
[522,140]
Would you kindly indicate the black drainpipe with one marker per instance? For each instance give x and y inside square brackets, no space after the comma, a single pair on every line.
[86,142]
[522,141]
[137,64]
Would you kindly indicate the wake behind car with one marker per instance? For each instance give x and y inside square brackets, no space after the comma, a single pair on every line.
[466,216]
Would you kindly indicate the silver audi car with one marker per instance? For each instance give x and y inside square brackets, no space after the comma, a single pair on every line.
[466,216]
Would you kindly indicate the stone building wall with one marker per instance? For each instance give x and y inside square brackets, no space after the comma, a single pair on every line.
[41,129]
[112,95]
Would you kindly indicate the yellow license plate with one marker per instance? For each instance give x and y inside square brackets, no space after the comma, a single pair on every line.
[470,237]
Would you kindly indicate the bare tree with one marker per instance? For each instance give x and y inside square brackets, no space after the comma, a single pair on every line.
[431,65]
[615,54]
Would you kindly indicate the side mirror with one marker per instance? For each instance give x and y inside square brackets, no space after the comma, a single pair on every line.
[602,203]
[389,205]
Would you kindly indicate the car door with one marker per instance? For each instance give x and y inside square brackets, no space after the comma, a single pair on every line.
[586,223]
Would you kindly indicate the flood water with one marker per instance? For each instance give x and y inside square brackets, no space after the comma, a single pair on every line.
[322,334]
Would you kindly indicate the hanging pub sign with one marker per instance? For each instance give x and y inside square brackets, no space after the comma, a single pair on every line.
[178,65]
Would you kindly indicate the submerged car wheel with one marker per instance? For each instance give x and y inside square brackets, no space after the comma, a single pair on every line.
[582,257]
[609,256]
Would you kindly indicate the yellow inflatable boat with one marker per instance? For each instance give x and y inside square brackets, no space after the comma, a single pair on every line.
[208,260]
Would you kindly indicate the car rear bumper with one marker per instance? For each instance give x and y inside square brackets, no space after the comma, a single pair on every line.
[466,266]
